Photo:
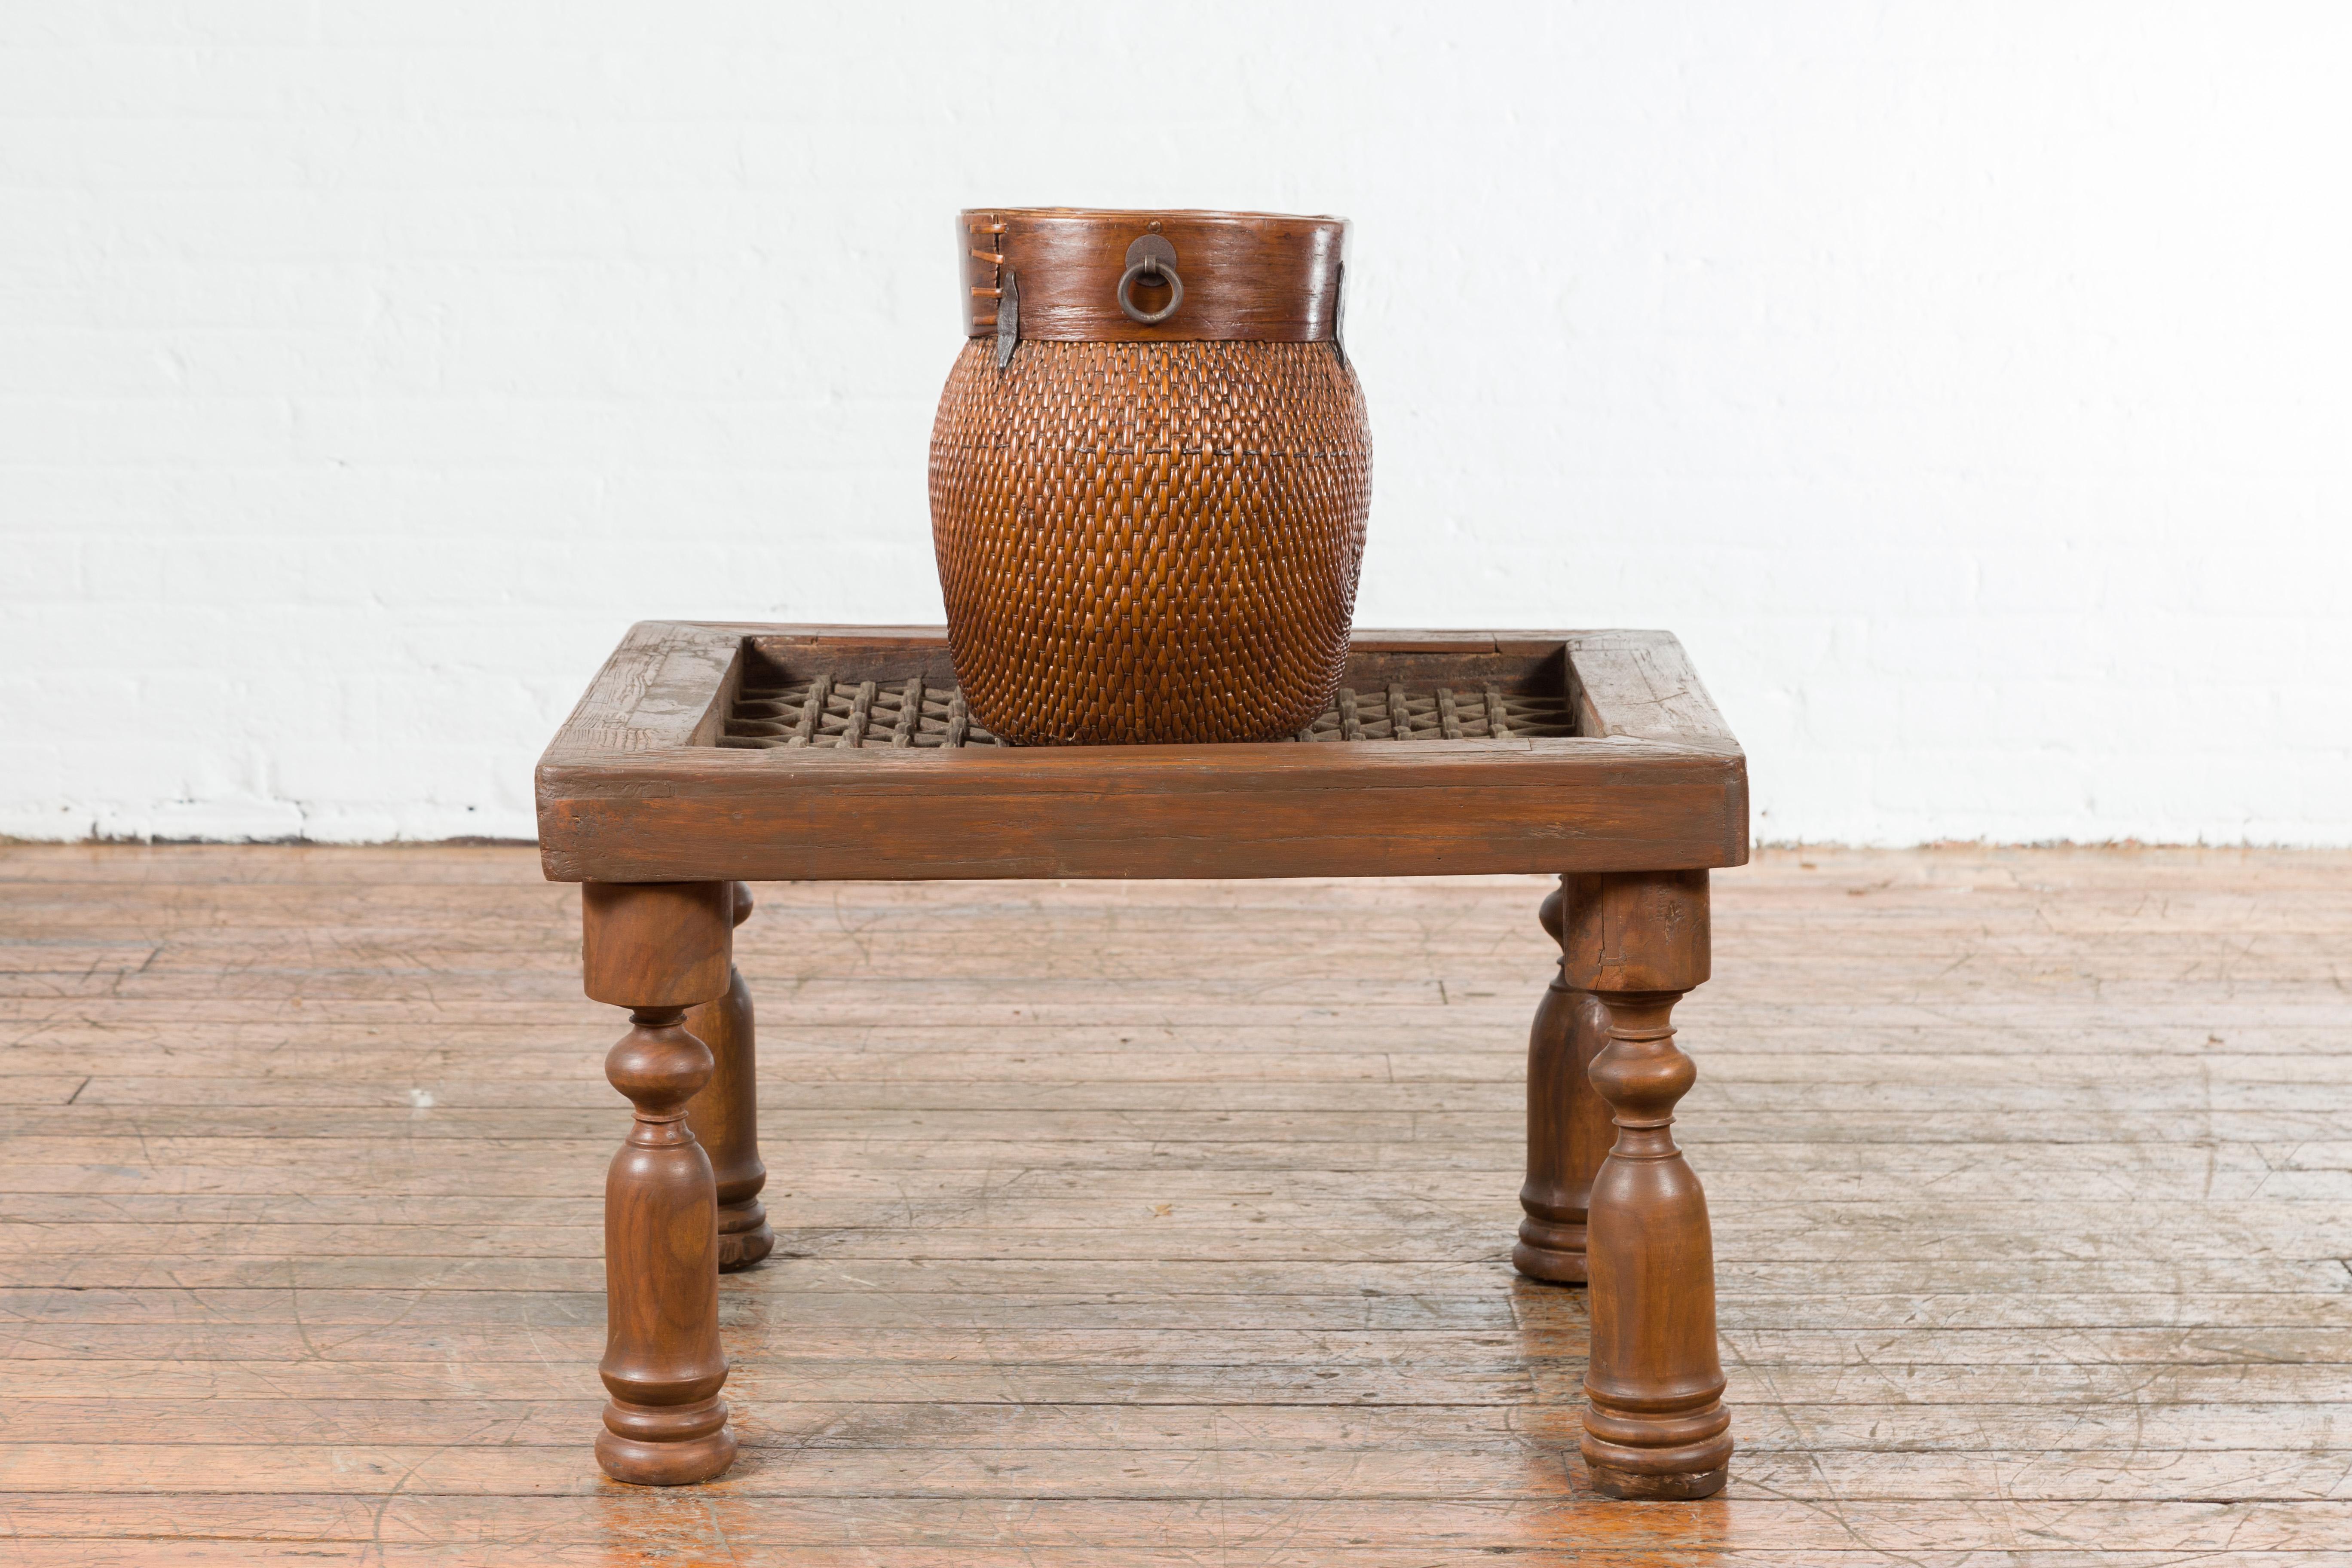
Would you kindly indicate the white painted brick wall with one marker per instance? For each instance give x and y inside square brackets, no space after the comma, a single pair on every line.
[1966,383]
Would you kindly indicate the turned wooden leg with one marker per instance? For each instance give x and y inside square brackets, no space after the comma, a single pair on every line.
[658,949]
[725,1117]
[1568,1122]
[1654,1426]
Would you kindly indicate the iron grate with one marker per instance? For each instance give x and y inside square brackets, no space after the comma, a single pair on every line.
[878,714]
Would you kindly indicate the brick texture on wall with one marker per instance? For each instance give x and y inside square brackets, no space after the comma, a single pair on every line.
[1967,385]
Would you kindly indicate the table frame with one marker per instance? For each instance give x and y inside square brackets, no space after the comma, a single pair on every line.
[638,800]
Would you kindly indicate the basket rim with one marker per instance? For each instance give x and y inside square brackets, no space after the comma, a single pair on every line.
[1196,215]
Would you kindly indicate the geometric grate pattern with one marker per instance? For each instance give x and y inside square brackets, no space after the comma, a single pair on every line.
[891,715]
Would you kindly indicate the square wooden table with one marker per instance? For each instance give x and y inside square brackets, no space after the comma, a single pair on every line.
[706,756]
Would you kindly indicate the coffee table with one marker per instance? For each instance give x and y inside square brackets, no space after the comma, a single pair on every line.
[710,754]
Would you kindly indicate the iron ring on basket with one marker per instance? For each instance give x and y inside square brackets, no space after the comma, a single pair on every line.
[1149,267]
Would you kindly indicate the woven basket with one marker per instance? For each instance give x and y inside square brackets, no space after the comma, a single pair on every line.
[1148,476]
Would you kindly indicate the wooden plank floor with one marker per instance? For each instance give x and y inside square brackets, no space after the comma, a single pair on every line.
[1166,1223]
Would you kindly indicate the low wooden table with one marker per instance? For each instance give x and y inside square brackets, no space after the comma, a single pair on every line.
[706,755]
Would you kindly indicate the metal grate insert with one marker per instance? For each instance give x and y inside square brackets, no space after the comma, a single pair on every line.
[879,714]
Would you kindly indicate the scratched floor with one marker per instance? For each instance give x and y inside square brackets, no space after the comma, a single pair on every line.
[1166,1224]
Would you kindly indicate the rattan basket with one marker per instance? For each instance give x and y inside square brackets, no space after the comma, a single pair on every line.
[1150,475]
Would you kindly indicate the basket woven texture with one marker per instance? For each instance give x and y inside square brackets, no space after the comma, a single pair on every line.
[1150,541]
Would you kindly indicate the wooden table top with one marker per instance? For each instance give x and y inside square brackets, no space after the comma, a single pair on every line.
[713,751]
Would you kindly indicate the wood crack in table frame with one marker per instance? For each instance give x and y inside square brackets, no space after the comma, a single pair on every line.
[1622,779]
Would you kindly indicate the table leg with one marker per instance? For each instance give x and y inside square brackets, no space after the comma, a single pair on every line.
[658,949]
[725,1117]
[1654,1426]
[1568,1122]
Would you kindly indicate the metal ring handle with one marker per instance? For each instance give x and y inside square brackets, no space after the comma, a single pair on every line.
[1150,266]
